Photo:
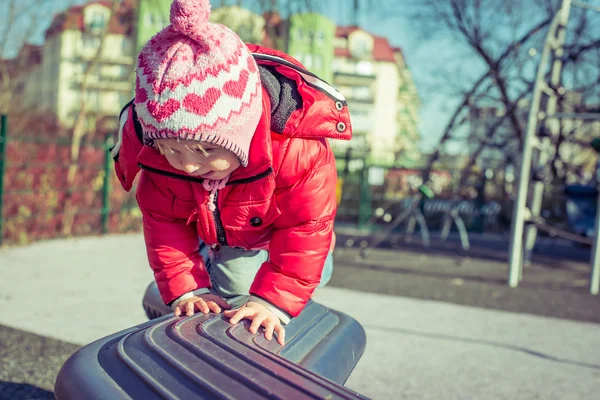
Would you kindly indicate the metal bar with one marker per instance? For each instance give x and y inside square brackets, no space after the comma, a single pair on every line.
[423,228]
[586,6]
[364,204]
[553,125]
[595,260]
[106,184]
[37,192]
[61,141]
[518,220]
[579,116]
[447,224]
[462,232]
[3,140]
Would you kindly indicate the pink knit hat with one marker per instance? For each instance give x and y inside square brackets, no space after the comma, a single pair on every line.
[198,81]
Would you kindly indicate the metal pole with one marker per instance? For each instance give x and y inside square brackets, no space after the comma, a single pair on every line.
[364,205]
[3,140]
[553,125]
[106,184]
[595,261]
[518,221]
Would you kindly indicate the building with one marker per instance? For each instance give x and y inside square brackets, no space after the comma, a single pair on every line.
[408,139]
[310,41]
[381,95]
[14,82]
[152,17]
[308,37]
[250,27]
[57,85]
[355,77]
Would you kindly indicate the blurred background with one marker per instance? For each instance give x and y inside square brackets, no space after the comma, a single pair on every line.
[439,94]
[476,132]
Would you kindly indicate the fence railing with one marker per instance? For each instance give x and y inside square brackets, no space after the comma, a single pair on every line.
[38,199]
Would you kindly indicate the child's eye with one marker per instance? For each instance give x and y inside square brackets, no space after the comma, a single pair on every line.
[204,151]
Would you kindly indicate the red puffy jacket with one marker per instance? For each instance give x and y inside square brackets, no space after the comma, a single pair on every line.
[283,201]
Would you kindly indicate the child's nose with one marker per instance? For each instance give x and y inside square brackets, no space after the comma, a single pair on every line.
[187,164]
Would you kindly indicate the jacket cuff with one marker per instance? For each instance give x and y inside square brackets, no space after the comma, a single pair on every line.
[188,295]
[283,317]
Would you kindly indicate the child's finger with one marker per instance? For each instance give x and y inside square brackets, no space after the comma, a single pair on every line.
[189,309]
[214,307]
[280,334]
[177,311]
[239,315]
[257,322]
[229,313]
[201,306]
[270,325]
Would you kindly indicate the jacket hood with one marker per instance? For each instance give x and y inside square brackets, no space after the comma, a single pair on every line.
[322,111]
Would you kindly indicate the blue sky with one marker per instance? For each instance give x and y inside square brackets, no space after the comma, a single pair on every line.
[424,56]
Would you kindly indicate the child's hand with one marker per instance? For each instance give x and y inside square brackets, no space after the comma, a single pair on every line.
[204,303]
[259,315]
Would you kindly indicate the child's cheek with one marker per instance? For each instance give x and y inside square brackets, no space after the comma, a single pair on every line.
[220,164]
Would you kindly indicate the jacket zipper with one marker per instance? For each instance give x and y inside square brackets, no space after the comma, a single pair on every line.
[170,174]
[221,238]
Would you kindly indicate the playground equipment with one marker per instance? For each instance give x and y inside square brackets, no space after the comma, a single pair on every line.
[415,211]
[536,153]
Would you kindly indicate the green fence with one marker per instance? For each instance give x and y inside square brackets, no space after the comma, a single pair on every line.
[39,201]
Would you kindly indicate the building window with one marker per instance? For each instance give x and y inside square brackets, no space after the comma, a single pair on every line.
[340,43]
[150,20]
[364,68]
[299,57]
[98,20]
[308,61]
[319,38]
[361,93]
[127,46]
[89,44]
[318,61]
[357,112]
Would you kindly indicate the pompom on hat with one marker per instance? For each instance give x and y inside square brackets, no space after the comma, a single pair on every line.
[198,81]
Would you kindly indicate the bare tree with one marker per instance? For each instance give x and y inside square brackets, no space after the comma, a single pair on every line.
[273,10]
[9,69]
[81,125]
[503,37]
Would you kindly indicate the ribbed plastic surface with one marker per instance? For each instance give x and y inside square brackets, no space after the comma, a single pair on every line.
[205,357]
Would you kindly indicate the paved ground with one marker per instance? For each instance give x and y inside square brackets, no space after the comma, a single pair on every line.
[75,291]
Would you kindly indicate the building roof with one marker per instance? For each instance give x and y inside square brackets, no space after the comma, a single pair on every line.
[29,56]
[382,50]
[72,19]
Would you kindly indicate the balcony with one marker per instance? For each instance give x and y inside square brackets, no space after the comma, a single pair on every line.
[361,124]
[111,85]
[351,79]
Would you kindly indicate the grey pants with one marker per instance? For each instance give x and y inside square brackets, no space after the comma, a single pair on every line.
[232,270]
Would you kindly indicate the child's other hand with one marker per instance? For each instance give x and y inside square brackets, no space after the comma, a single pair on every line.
[204,303]
[260,316]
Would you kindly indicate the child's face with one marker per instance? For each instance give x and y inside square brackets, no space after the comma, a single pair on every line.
[203,160]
